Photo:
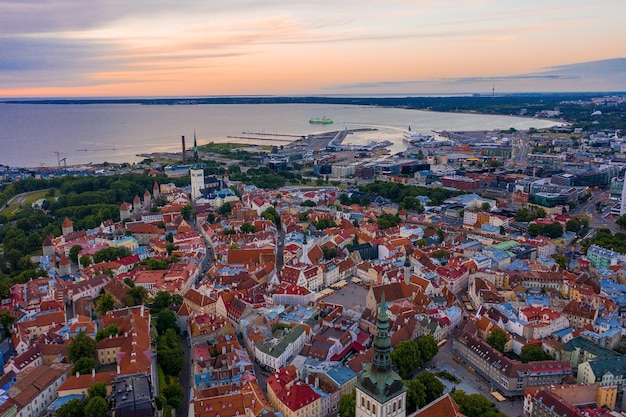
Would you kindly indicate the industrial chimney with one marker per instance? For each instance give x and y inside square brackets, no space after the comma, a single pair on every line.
[184,152]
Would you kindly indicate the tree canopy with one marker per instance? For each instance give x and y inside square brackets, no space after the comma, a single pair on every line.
[72,408]
[99,389]
[166,320]
[475,405]
[531,353]
[497,339]
[96,407]
[406,356]
[104,303]
[347,404]
[397,192]
[81,346]
[170,352]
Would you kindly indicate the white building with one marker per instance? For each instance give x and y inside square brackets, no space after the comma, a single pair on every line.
[197,182]
[278,352]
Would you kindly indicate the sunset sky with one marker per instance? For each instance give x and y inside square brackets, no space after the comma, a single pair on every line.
[78,48]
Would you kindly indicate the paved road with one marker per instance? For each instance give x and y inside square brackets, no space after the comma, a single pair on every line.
[19,200]
[471,382]
[597,220]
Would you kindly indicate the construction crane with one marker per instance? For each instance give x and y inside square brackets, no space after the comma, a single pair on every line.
[59,158]
[64,160]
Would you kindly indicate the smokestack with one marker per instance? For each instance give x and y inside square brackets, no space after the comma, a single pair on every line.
[184,152]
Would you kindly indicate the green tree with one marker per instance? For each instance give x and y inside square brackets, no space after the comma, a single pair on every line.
[170,248]
[136,296]
[347,404]
[174,394]
[486,206]
[247,228]
[386,221]
[531,353]
[497,340]
[415,396]
[524,215]
[324,223]
[105,303]
[74,250]
[572,225]
[84,365]
[72,408]
[185,211]
[427,346]
[406,357]
[366,200]
[166,320]
[110,330]
[170,352]
[96,407]
[6,321]
[434,387]
[475,405]
[163,299]
[99,389]
[85,261]
[177,300]
[272,215]
[81,346]
[225,209]
[308,203]
[621,221]
[561,261]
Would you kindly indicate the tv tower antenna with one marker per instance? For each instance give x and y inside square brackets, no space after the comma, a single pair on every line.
[493,90]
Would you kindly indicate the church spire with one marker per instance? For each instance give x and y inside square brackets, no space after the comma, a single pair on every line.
[382,343]
[195,148]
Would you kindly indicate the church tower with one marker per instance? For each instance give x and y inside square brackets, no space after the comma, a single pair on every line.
[379,390]
[196,172]
[195,149]
[407,267]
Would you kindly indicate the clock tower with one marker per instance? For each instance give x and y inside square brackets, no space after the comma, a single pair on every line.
[380,391]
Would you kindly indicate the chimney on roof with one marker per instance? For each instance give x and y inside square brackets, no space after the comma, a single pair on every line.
[77,374]
[93,372]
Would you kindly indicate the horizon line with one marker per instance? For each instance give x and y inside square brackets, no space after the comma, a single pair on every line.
[336,95]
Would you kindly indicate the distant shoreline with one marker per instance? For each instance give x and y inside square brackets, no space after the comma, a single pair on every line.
[386,101]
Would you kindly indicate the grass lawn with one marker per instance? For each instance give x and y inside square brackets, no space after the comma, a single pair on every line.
[25,199]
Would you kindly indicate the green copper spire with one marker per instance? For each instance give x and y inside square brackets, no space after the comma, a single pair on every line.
[382,343]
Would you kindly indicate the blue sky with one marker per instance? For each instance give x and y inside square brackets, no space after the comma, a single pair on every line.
[170,48]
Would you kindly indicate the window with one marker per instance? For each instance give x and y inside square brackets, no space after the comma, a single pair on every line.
[362,401]
[400,403]
[394,407]
[374,408]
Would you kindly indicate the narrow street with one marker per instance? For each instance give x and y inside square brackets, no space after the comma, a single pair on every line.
[184,380]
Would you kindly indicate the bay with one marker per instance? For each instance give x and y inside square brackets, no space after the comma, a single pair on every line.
[31,134]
